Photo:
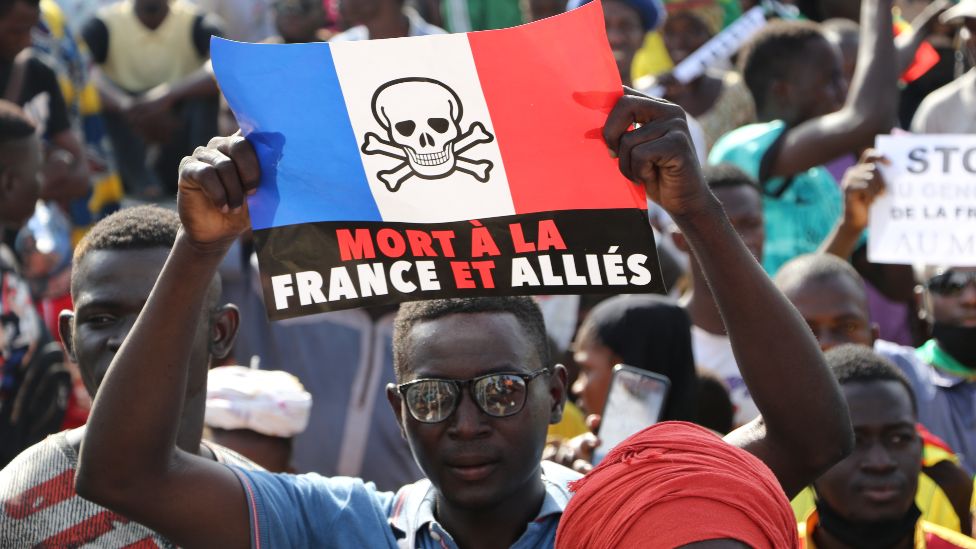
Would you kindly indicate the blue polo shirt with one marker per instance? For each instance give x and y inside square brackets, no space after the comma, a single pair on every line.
[314,511]
[946,402]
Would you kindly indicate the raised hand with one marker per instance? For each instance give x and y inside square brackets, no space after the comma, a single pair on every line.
[214,183]
[862,184]
[651,140]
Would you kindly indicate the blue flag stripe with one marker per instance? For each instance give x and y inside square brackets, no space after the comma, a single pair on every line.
[296,95]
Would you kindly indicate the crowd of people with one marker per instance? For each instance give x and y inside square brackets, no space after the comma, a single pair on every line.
[816,399]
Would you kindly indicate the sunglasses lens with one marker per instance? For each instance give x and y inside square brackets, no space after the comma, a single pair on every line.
[431,401]
[500,395]
[951,282]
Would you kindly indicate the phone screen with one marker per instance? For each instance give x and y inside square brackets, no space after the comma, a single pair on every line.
[634,401]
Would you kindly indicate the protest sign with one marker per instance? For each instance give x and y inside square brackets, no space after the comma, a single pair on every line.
[438,166]
[928,211]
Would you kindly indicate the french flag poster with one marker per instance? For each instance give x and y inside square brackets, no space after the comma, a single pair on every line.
[438,166]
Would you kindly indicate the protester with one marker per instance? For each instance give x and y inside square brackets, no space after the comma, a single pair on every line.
[475,15]
[677,485]
[30,83]
[867,500]
[952,108]
[243,20]
[34,384]
[484,473]
[891,288]
[148,52]
[832,298]
[796,80]
[741,199]
[59,46]
[298,22]
[534,10]
[718,99]
[376,19]
[115,267]
[646,332]
[256,413]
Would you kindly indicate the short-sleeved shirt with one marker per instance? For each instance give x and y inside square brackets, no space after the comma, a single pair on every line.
[40,508]
[40,96]
[314,511]
[949,109]
[800,211]
[946,402]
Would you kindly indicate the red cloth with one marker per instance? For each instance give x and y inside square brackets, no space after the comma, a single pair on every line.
[676,483]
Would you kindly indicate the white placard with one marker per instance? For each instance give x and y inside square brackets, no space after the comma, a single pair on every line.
[928,212]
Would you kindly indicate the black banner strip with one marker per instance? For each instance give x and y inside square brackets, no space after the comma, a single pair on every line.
[319,267]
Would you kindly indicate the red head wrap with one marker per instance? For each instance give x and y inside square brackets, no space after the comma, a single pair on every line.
[676,483]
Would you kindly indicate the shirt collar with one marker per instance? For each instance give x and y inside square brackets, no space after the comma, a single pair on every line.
[414,504]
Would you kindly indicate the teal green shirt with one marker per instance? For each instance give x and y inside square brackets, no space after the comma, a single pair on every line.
[799,217]
[480,14]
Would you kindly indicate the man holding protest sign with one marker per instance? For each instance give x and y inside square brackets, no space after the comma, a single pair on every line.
[475,497]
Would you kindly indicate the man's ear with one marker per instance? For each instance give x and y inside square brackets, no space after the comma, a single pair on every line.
[393,397]
[680,242]
[557,391]
[224,322]
[66,321]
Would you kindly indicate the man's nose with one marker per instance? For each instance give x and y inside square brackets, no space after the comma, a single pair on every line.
[468,421]
[968,295]
[877,459]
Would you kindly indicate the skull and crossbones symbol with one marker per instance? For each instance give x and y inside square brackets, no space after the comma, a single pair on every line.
[422,119]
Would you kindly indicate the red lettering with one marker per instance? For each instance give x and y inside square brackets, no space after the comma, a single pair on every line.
[549,237]
[355,247]
[444,238]
[462,274]
[518,239]
[391,243]
[484,269]
[482,243]
[420,244]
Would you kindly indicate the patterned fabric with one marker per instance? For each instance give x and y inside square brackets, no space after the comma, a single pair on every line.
[733,108]
[800,211]
[39,506]
[55,43]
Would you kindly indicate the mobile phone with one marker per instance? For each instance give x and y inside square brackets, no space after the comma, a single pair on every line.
[634,401]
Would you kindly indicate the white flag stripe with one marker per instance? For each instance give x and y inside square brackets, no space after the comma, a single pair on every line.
[427,189]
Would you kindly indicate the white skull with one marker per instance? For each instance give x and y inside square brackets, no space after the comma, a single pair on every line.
[421,116]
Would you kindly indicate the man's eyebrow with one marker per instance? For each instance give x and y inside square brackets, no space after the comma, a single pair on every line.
[96,303]
[501,369]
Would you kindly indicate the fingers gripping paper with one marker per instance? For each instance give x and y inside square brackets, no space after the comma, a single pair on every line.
[438,166]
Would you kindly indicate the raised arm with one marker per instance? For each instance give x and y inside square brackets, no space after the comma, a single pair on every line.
[870,108]
[806,428]
[129,460]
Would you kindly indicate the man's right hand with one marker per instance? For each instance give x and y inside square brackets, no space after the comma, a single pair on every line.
[213,187]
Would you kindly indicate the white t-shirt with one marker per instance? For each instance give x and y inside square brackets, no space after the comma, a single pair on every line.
[714,352]
[949,109]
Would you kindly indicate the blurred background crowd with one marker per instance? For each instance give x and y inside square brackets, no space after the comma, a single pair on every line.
[118,92]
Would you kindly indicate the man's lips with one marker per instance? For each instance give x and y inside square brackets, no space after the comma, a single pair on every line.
[883,493]
[472,469]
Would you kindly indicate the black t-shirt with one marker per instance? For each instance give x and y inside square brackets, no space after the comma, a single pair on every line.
[95,34]
[40,95]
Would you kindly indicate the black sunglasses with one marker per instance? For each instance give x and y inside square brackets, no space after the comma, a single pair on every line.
[498,395]
[950,282]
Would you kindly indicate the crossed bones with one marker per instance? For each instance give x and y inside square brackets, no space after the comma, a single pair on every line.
[395,177]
